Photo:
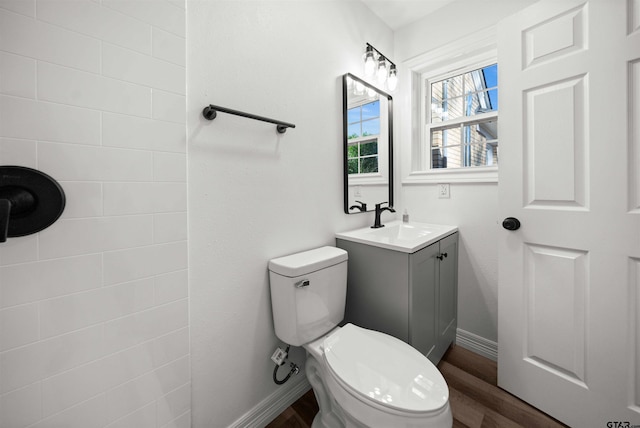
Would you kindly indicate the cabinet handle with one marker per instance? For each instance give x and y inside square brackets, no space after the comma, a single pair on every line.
[442,256]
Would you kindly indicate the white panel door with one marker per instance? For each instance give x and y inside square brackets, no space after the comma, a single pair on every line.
[569,278]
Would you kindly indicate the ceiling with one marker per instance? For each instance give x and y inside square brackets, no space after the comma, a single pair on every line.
[398,13]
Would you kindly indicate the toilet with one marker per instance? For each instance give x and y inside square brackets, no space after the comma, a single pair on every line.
[361,378]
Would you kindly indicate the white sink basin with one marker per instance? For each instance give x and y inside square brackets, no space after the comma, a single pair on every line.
[396,235]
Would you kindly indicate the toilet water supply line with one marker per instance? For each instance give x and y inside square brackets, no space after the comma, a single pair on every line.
[279,358]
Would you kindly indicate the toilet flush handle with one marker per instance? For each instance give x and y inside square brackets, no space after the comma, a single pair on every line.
[302,283]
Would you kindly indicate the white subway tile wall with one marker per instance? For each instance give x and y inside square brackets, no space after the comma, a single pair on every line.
[94,309]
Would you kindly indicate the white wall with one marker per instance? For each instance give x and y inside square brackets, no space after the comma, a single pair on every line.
[472,207]
[254,194]
[93,310]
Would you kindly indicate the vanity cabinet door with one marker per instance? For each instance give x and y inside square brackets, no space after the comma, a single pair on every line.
[423,299]
[377,289]
[447,295]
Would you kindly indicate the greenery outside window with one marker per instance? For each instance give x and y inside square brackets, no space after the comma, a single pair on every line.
[363,134]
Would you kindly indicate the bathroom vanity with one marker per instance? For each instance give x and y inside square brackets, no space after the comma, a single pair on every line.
[403,281]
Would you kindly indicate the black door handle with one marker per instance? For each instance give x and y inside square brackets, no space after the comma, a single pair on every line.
[511,223]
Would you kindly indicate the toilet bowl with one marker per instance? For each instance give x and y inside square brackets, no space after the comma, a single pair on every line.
[361,378]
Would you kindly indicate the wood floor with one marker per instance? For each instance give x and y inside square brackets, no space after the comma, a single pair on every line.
[476,401]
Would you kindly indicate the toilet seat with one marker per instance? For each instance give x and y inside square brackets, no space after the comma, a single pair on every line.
[384,372]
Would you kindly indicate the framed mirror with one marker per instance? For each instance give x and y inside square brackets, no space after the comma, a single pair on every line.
[368,145]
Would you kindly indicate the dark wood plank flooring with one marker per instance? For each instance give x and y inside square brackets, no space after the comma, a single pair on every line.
[476,401]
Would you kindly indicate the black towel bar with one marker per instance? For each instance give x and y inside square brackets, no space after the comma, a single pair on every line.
[210,113]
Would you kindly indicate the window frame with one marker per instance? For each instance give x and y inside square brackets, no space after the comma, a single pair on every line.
[466,54]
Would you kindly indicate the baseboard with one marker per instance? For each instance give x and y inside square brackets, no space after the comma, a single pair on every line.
[266,411]
[479,345]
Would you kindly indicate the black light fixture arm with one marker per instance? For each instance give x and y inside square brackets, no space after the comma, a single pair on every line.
[386,58]
[210,112]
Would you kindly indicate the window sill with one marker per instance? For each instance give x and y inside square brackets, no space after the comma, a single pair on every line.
[367,180]
[460,175]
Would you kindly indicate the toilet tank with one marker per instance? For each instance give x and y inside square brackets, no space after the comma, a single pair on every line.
[308,293]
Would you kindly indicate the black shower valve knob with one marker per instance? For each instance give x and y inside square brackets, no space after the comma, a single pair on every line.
[30,201]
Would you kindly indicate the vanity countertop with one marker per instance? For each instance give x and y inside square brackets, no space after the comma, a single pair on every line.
[399,236]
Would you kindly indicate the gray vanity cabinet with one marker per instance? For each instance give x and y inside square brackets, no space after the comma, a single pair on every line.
[410,296]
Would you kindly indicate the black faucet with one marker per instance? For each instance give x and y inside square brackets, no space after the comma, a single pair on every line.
[380,210]
[362,207]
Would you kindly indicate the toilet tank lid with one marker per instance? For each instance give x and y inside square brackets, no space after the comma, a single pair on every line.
[307,261]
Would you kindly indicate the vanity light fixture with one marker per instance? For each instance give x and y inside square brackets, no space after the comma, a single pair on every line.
[378,66]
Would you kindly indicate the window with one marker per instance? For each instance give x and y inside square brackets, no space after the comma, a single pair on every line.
[448,126]
[462,119]
[363,134]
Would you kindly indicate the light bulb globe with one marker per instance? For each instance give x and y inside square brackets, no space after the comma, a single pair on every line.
[369,65]
[392,81]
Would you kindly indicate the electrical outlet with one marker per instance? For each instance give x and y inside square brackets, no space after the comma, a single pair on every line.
[443,190]
[279,356]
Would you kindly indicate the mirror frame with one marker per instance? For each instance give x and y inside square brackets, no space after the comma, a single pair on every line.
[345,127]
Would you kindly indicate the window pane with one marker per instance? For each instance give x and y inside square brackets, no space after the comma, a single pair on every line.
[448,157]
[436,139]
[446,137]
[436,111]
[493,99]
[480,102]
[371,110]
[353,131]
[352,151]
[481,132]
[352,166]
[353,115]
[474,103]
[491,75]
[485,154]
[470,155]
[367,149]
[452,87]
[369,165]
[371,127]
[438,159]
[436,92]
[450,109]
